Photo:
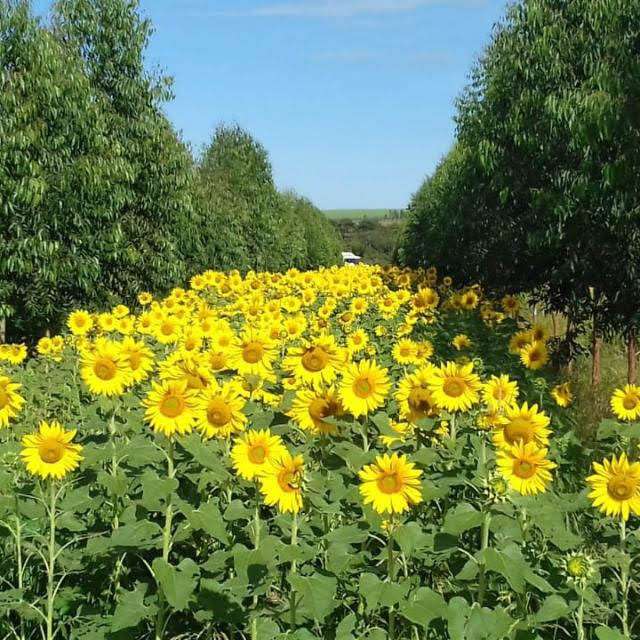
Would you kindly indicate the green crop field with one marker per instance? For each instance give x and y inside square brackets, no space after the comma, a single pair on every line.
[355,214]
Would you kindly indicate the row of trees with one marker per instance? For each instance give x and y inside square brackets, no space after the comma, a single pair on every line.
[99,198]
[541,192]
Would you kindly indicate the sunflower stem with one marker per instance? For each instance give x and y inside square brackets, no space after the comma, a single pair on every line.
[293,570]
[166,545]
[365,436]
[256,544]
[484,545]
[624,579]
[114,464]
[452,428]
[580,617]
[19,567]
[51,565]
[391,567]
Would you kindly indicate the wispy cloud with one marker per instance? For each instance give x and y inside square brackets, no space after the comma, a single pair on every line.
[343,8]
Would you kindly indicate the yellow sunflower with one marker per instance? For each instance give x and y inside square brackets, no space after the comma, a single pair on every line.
[535,355]
[50,452]
[391,485]
[170,407]
[561,393]
[13,353]
[454,387]
[138,357]
[461,341]
[313,409]
[80,322]
[253,353]
[218,411]
[525,467]
[499,392]
[105,369]
[11,401]
[281,482]
[364,387]
[414,397]
[525,424]
[615,487]
[625,402]
[254,450]
[519,341]
[316,362]
[404,352]
[357,340]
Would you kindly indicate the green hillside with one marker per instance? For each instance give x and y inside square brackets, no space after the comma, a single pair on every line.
[355,214]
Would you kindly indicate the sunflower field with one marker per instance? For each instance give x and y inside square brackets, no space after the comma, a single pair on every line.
[355,452]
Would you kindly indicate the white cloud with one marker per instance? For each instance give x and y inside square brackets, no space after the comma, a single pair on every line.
[343,8]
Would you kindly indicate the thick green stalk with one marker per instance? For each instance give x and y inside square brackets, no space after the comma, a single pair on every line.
[19,562]
[452,428]
[293,570]
[391,568]
[114,465]
[51,566]
[624,580]
[256,544]
[484,545]
[365,436]
[580,617]
[166,545]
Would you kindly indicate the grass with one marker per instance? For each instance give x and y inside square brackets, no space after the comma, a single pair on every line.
[355,214]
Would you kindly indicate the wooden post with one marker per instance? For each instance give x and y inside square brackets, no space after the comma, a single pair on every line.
[632,353]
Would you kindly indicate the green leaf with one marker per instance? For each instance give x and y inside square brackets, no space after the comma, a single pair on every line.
[131,610]
[461,519]
[317,593]
[344,630]
[377,593]
[351,534]
[423,606]
[156,490]
[606,633]
[141,535]
[553,608]
[177,583]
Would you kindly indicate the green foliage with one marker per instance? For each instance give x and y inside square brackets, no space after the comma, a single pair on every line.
[375,240]
[542,191]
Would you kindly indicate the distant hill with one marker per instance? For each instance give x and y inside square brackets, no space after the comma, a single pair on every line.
[355,214]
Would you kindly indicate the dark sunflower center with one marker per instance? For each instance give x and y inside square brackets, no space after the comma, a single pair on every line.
[630,402]
[453,387]
[51,451]
[315,359]
[218,412]
[257,453]
[390,483]
[362,387]
[172,406]
[621,488]
[253,352]
[105,369]
[523,469]
[519,429]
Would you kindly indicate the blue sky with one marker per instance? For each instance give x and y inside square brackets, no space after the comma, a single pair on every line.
[353,99]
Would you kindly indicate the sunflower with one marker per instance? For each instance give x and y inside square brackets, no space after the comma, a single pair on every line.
[218,411]
[404,352]
[469,300]
[105,369]
[523,423]
[167,329]
[10,400]
[138,357]
[525,467]
[80,322]
[615,487]
[313,410]
[145,298]
[281,482]
[461,341]
[50,452]
[253,353]
[316,362]
[510,305]
[499,392]
[193,368]
[519,341]
[454,387]
[625,402]
[364,387]
[13,353]
[170,407]
[254,450]
[357,340]
[400,432]
[561,393]
[391,484]
[425,300]
[414,397]
[535,355]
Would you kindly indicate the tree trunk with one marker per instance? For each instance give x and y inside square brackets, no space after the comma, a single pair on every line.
[596,349]
[3,330]
[632,352]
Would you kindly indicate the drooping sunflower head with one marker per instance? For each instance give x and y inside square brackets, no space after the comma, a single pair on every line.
[510,305]
[364,387]
[454,387]
[625,402]
[281,482]
[138,357]
[11,401]
[615,487]
[50,453]
[316,410]
[562,394]
[414,396]
[525,467]
[253,451]
[519,341]
[522,424]
[391,484]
